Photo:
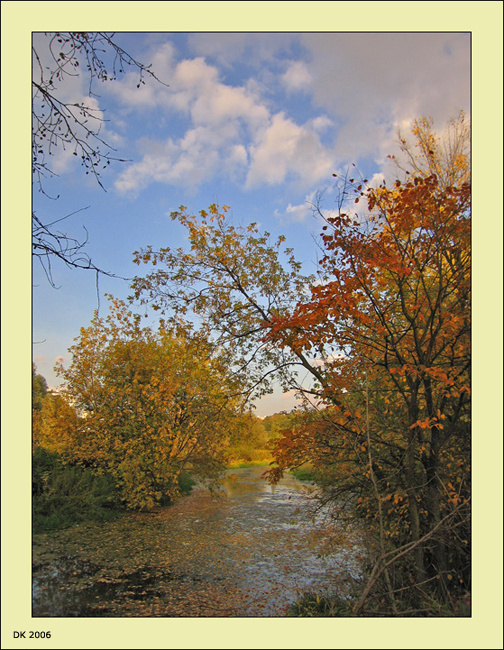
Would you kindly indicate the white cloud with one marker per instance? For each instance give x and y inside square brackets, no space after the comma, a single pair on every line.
[285,149]
[194,90]
[297,77]
[371,83]
[186,162]
[151,93]
[298,213]
[231,126]
[322,123]
[220,103]
[366,84]
[223,118]
[238,156]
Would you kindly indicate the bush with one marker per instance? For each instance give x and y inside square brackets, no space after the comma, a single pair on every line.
[65,495]
[186,483]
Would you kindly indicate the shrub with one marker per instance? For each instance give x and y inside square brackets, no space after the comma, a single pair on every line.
[65,495]
[315,605]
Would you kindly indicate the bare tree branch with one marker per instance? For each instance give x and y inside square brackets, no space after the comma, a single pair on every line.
[59,124]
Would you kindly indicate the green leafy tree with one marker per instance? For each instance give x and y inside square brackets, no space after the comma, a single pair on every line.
[249,442]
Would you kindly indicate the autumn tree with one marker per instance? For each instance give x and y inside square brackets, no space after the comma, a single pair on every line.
[154,404]
[39,389]
[249,441]
[395,301]
[54,424]
[385,335]
[63,124]
[230,283]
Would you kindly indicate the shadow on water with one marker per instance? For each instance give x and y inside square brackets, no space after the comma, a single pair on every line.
[249,550]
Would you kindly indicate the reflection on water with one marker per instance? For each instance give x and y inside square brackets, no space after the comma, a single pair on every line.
[247,481]
[249,550]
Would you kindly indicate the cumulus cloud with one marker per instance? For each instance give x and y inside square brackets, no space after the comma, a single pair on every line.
[322,123]
[222,120]
[365,86]
[286,149]
[233,128]
[298,212]
[186,162]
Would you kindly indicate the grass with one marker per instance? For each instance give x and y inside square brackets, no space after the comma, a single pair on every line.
[239,464]
[65,495]
[305,473]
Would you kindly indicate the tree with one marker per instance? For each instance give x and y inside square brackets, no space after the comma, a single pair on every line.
[249,441]
[154,404]
[388,323]
[396,302]
[54,424]
[39,389]
[60,124]
[231,283]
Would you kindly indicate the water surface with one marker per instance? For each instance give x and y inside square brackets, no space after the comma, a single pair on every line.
[249,550]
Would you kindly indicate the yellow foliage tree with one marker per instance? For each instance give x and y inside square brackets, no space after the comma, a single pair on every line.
[54,424]
[154,403]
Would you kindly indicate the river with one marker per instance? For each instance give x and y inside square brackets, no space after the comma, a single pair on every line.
[250,550]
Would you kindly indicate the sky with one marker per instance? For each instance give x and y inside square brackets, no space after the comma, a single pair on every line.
[259,122]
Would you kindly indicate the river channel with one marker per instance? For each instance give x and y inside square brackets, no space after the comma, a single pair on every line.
[250,550]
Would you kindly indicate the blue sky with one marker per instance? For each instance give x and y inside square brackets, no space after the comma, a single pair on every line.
[259,122]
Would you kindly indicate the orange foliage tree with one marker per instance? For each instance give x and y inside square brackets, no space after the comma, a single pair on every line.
[395,304]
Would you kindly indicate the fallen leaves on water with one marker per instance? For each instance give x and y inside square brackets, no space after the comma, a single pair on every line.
[172,562]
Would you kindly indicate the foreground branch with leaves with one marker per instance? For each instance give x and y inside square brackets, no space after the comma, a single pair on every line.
[231,283]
